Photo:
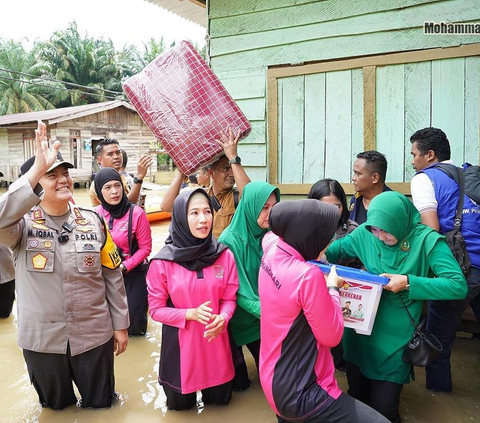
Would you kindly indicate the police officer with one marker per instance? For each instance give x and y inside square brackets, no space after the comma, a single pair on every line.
[72,307]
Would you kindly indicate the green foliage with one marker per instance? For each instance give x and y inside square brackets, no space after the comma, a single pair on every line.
[17,95]
[69,57]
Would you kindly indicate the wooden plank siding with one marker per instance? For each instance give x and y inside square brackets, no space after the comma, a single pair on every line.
[287,56]
[120,123]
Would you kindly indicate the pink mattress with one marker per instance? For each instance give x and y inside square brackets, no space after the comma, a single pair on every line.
[185,106]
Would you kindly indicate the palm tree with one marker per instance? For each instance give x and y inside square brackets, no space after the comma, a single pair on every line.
[21,88]
[85,62]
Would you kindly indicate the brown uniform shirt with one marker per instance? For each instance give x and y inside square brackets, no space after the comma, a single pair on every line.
[223,217]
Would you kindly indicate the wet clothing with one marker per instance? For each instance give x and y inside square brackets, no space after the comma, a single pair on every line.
[7,282]
[66,294]
[357,210]
[218,395]
[423,255]
[296,336]
[55,388]
[186,273]
[434,190]
[224,215]
[71,296]
[129,228]
[244,238]
[188,362]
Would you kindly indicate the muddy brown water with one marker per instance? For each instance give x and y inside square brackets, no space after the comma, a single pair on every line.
[141,399]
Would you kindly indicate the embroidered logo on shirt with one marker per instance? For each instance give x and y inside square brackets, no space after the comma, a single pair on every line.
[39,261]
[89,261]
[82,221]
[219,272]
[33,243]
[85,229]
[40,226]
[88,247]
[47,244]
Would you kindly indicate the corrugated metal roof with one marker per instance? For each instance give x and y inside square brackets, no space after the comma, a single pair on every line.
[192,10]
[60,115]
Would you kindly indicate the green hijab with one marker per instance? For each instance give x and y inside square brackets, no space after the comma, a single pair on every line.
[244,238]
[395,214]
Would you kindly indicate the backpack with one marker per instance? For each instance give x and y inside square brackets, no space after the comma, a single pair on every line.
[454,238]
[471,175]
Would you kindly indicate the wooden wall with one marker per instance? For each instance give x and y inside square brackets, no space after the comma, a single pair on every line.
[251,39]
[119,123]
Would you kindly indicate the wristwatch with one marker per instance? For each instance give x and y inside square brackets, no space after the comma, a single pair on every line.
[235,160]
[137,181]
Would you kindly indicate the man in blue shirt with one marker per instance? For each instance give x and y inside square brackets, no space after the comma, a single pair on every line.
[436,197]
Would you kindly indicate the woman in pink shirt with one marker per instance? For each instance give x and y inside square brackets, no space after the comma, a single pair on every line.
[131,233]
[301,319]
[192,285]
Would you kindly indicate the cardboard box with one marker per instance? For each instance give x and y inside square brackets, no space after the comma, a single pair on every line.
[359,295]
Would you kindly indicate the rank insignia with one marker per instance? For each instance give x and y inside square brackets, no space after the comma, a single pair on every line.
[89,261]
[39,261]
[33,243]
[37,215]
[82,221]
[77,213]
[40,226]
[352,206]
[47,244]
[88,247]
[84,229]
[405,245]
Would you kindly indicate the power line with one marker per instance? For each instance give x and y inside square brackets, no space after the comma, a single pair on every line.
[62,82]
[53,88]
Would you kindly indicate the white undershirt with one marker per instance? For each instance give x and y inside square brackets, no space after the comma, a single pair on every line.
[423,192]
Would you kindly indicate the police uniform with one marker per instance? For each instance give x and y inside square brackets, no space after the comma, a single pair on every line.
[70,295]
[7,282]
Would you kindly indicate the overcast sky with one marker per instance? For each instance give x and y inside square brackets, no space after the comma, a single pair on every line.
[124,21]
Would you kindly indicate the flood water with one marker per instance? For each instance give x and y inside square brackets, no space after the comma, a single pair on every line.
[141,399]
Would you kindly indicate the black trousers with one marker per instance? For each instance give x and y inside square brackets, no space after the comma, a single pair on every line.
[7,297]
[219,395]
[381,395]
[92,371]
[345,410]
[241,380]
[137,298]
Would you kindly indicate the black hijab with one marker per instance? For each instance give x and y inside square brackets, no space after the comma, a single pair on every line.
[306,225]
[103,176]
[181,246]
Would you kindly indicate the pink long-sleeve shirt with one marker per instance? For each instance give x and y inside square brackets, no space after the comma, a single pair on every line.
[300,320]
[188,362]
[140,229]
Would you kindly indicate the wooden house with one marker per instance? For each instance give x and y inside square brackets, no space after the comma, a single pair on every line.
[79,129]
[322,80]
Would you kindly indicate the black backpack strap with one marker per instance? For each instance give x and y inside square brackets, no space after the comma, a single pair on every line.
[458,216]
[456,173]
[130,219]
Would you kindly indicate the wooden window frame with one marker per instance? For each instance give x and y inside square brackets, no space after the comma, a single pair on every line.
[369,65]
